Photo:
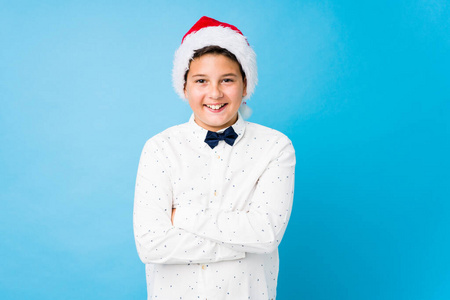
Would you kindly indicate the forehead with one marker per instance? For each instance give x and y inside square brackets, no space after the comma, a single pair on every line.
[213,63]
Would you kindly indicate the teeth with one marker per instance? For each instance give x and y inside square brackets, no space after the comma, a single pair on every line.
[215,106]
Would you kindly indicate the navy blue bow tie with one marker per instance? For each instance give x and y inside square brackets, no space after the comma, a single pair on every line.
[213,138]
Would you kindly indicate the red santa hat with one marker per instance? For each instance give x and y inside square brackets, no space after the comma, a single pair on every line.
[209,32]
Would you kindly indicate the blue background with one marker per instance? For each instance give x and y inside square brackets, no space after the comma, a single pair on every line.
[362,89]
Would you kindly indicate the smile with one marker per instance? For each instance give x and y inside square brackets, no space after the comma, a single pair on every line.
[215,107]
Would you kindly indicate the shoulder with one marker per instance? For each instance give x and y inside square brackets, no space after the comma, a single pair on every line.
[273,145]
[269,135]
[164,137]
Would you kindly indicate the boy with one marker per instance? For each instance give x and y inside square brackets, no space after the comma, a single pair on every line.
[214,195]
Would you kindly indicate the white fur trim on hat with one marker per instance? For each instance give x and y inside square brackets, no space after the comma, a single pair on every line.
[220,36]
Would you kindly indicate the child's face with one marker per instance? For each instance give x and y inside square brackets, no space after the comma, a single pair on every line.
[214,89]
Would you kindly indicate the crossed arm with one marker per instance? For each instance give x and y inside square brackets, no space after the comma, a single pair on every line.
[197,234]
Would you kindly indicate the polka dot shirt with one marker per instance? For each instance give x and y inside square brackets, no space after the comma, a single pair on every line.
[232,207]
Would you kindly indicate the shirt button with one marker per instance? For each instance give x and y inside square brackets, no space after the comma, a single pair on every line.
[203,267]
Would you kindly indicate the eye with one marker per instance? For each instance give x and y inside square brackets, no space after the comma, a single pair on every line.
[228,80]
[200,81]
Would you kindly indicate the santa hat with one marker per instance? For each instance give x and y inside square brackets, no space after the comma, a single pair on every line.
[210,32]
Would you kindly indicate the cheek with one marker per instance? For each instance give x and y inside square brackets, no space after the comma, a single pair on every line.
[193,105]
[194,98]
[237,95]
[189,92]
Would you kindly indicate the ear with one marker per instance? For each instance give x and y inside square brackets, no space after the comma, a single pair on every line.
[244,93]
[184,90]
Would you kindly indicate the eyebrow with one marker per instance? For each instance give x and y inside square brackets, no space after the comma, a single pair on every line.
[229,74]
[224,75]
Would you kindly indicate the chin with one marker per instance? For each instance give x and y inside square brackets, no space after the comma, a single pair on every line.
[217,124]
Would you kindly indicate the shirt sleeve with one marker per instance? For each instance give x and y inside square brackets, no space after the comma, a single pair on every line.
[260,229]
[157,240]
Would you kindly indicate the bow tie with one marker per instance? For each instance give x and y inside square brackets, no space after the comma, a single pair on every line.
[213,138]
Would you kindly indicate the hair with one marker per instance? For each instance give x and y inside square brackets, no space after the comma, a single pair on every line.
[217,51]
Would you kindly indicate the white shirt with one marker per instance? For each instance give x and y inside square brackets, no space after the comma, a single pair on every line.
[232,207]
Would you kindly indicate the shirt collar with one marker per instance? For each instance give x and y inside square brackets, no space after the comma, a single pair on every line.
[200,132]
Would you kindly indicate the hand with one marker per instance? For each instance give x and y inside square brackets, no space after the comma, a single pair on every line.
[173,214]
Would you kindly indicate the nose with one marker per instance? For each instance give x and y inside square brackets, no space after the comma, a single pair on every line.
[215,92]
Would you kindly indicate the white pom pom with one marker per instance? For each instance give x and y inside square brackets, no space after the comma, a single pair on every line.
[245,110]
